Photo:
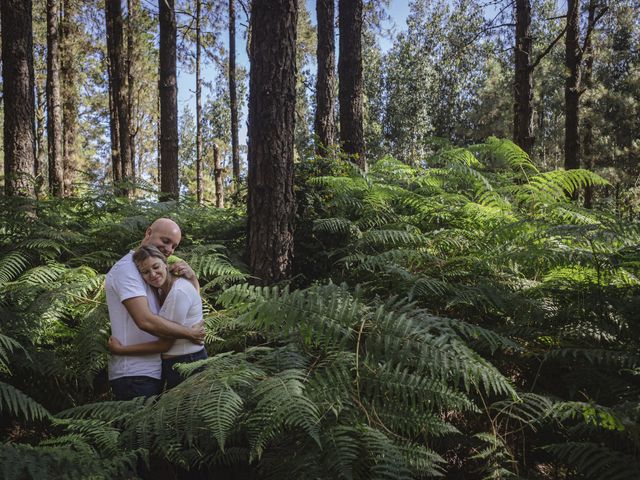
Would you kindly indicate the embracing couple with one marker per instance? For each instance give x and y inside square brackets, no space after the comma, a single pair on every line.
[156,315]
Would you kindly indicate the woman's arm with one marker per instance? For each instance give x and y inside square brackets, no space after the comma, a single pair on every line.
[157,346]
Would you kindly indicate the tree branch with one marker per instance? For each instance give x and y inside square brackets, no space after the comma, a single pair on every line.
[548,49]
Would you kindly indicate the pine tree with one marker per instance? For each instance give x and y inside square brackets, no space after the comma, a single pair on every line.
[271,203]
[19,97]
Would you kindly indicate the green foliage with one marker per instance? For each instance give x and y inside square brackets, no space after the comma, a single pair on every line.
[466,310]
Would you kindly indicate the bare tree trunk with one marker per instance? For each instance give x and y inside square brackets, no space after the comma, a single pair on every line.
[199,184]
[54,102]
[114,111]
[168,102]
[233,100]
[70,92]
[41,125]
[218,172]
[19,98]
[325,82]
[350,83]
[272,93]
[117,70]
[132,8]
[523,81]
[572,87]
[588,124]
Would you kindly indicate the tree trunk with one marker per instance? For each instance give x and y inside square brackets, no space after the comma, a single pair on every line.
[132,8]
[350,81]
[70,92]
[199,184]
[218,171]
[325,82]
[19,98]
[168,102]
[233,100]
[272,90]
[117,70]
[54,102]
[40,167]
[523,81]
[572,87]
[588,124]
[114,122]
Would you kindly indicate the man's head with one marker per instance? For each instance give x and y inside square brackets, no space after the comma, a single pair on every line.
[164,234]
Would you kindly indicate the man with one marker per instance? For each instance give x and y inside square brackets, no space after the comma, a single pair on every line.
[133,309]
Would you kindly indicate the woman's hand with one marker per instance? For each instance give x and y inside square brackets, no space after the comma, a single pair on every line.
[182,269]
[115,346]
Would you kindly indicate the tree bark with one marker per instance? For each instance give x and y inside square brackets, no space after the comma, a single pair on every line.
[588,124]
[19,98]
[272,96]
[168,102]
[233,99]
[54,102]
[70,92]
[132,8]
[350,81]
[523,81]
[114,111]
[199,183]
[117,70]
[325,83]
[218,172]
[572,87]
[40,167]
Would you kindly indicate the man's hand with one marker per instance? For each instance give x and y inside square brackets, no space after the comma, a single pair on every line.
[182,269]
[114,345]
[198,333]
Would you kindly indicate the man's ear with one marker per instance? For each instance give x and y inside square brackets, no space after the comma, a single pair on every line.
[147,232]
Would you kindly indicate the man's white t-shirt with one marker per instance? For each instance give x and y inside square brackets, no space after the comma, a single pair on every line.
[123,282]
[183,305]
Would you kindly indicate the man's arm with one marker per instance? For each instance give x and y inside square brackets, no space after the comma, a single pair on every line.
[157,346]
[138,308]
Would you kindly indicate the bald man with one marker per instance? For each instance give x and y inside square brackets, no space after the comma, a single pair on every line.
[133,308]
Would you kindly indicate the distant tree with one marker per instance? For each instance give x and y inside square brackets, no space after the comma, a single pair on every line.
[572,86]
[350,80]
[233,99]
[168,102]
[54,101]
[19,98]
[199,161]
[324,125]
[271,203]
[70,52]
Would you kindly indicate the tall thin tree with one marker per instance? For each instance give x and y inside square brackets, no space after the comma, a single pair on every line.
[168,102]
[118,82]
[324,124]
[272,87]
[523,81]
[19,97]
[350,82]
[69,50]
[54,102]
[199,182]
[233,98]
[572,87]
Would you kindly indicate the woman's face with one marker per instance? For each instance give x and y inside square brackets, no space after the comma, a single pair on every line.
[153,271]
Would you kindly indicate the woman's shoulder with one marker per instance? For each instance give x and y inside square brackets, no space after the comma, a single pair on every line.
[183,284]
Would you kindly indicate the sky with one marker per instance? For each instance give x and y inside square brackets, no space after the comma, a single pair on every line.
[398,11]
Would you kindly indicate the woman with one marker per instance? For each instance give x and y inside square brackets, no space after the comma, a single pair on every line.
[181,303]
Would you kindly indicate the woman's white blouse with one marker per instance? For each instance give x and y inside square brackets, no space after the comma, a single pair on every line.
[183,305]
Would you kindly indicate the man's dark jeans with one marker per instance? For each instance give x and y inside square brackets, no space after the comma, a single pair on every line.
[128,388]
[171,376]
